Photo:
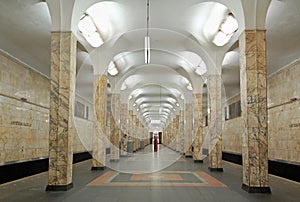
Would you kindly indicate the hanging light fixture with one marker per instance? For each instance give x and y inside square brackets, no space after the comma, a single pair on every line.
[160,108]
[147,38]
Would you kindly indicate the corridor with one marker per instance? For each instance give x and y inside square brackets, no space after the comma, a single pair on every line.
[183,180]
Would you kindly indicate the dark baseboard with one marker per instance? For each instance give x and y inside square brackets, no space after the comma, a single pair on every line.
[17,170]
[276,167]
[284,169]
[215,169]
[97,168]
[198,161]
[262,190]
[82,156]
[59,187]
[189,156]
[233,158]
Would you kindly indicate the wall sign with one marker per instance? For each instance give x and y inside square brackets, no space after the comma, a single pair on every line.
[19,123]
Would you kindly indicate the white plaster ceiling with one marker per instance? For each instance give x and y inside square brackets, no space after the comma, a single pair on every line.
[178,30]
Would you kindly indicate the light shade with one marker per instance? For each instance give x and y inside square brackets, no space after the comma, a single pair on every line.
[201,68]
[124,86]
[89,31]
[221,38]
[147,49]
[112,69]
[189,86]
[230,25]
[227,29]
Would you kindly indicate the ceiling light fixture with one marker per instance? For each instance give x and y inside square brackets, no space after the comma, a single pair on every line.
[189,86]
[147,37]
[124,86]
[112,69]
[160,108]
[226,31]
[230,25]
[201,68]
[89,31]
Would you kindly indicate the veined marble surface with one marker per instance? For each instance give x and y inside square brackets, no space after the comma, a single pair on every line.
[99,136]
[254,108]
[62,96]
[215,121]
[197,154]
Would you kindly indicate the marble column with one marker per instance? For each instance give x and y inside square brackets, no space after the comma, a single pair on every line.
[124,129]
[131,127]
[114,140]
[137,135]
[98,145]
[114,127]
[197,155]
[254,111]
[188,130]
[181,132]
[172,134]
[215,122]
[176,134]
[62,96]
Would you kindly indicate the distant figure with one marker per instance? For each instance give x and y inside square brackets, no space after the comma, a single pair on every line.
[155,143]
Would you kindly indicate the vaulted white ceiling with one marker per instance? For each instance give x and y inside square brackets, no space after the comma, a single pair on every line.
[181,34]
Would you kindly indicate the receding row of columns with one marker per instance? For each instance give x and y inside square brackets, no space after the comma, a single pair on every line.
[254,114]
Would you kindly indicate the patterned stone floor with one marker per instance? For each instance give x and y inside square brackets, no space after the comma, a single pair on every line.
[182,181]
[167,178]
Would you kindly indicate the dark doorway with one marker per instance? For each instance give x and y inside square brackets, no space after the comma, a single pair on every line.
[151,137]
[160,137]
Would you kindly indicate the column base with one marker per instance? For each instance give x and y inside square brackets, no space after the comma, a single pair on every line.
[263,190]
[198,161]
[114,160]
[98,168]
[215,169]
[59,187]
[188,156]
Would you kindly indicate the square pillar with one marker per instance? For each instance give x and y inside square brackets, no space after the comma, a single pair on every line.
[181,132]
[62,96]
[114,129]
[197,155]
[254,111]
[215,122]
[98,144]
[188,130]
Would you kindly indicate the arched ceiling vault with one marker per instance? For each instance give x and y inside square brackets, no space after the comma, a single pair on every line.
[181,32]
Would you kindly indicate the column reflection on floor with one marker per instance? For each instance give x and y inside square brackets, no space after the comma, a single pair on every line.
[145,161]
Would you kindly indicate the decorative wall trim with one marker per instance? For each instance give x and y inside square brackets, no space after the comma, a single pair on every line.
[23,100]
[17,170]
